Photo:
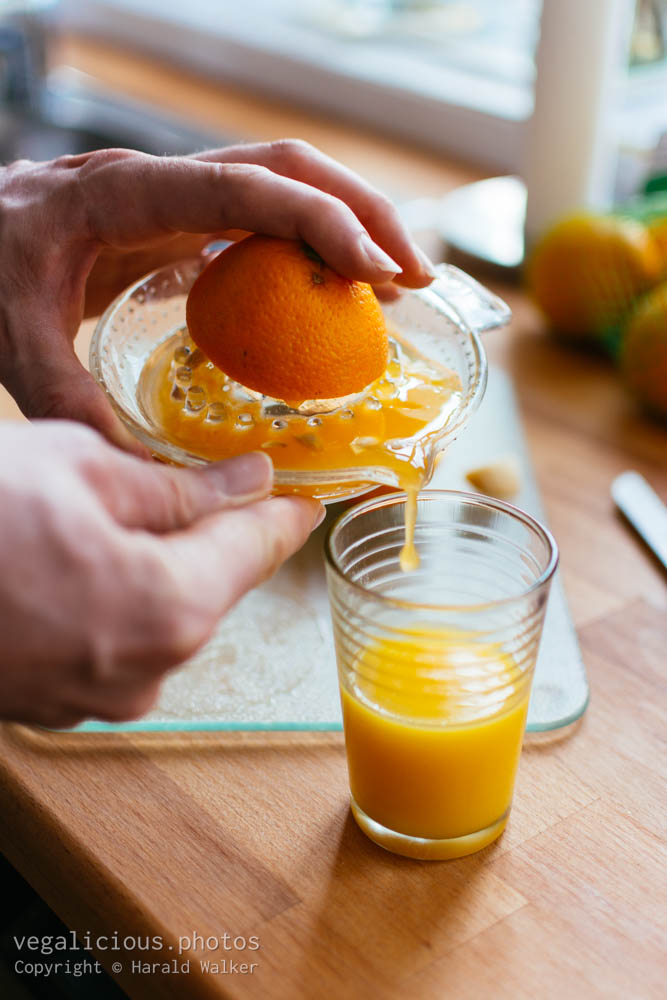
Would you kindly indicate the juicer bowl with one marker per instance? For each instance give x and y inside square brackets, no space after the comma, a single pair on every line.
[443,322]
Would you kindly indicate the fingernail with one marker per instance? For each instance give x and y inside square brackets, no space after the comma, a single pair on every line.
[244,476]
[427,264]
[321,514]
[377,257]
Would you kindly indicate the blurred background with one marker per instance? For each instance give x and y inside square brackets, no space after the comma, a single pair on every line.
[455,75]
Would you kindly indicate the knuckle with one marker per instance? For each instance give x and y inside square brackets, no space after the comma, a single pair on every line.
[100,158]
[176,497]
[384,204]
[239,173]
[329,209]
[16,166]
[67,161]
[97,185]
[379,205]
[289,154]
[40,198]
[241,184]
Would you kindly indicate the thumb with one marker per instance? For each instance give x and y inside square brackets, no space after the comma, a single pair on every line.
[219,558]
[55,385]
[160,498]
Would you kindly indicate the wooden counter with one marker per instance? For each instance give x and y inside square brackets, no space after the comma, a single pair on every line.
[251,836]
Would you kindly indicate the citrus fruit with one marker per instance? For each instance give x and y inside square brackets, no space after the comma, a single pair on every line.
[650,208]
[644,351]
[586,271]
[658,230]
[273,316]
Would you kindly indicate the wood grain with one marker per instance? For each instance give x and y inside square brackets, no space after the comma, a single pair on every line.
[252,834]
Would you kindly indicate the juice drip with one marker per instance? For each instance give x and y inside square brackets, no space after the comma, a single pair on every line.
[409,558]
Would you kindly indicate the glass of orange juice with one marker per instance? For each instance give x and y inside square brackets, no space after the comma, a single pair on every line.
[435,665]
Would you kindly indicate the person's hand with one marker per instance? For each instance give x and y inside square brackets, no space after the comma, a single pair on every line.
[115,570]
[109,215]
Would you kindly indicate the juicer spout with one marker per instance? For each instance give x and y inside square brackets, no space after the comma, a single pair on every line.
[478,308]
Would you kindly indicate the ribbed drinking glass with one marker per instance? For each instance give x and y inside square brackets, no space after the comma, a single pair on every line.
[435,665]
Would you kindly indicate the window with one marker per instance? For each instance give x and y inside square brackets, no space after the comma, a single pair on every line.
[455,74]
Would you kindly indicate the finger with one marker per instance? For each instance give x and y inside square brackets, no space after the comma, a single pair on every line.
[159,498]
[216,562]
[303,162]
[222,557]
[121,699]
[388,292]
[54,384]
[195,196]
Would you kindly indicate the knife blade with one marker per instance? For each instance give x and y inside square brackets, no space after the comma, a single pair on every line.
[644,509]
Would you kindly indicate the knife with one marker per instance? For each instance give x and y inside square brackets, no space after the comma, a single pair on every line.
[644,510]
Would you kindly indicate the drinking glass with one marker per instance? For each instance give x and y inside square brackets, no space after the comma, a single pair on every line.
[435,665]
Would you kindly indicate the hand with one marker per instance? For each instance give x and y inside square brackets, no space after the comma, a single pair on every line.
[102,215]
[115,570]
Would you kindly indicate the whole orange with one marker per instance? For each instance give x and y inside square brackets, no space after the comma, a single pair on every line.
[586,272]
[273,316]
[658,230]
[644,351]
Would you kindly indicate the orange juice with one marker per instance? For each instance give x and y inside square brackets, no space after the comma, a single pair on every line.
[390,425]
[433,723]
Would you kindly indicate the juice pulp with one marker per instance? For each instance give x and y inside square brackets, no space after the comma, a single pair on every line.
[389,427]
[434,723]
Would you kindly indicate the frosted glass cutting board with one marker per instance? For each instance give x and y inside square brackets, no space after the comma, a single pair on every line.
[271,663]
